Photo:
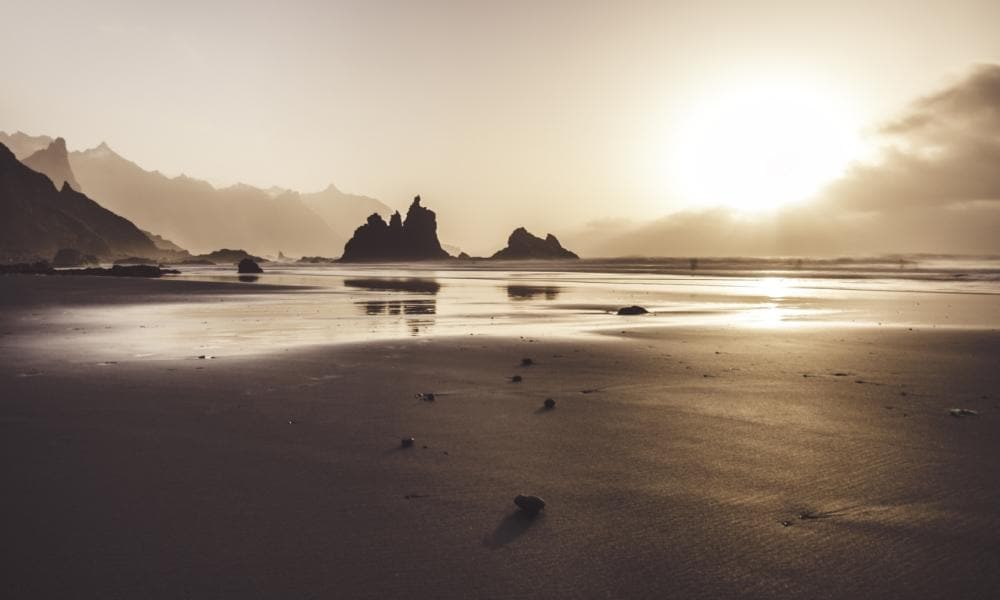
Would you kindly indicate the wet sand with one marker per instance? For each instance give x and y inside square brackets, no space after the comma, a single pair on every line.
[712,461]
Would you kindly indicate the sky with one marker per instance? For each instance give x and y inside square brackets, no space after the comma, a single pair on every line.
[550,115]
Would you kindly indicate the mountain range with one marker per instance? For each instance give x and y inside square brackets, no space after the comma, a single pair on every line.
[37,219]
[197,216]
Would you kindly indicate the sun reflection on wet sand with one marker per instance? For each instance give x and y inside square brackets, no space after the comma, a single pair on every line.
[352,305]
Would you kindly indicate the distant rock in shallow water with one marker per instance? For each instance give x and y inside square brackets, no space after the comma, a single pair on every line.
[632,310]
[247,265]
[521,245]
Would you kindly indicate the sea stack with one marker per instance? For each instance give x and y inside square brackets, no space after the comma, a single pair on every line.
[398,240]
[521,245]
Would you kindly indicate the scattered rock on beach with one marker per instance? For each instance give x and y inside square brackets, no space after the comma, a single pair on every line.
[963,412]
[426,396]
[550,403]
[516,379]
[527,362]
[406,442]
[248,265]
[632,310]
[529,504]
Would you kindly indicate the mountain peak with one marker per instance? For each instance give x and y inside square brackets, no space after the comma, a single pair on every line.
[102,150]
[53,162]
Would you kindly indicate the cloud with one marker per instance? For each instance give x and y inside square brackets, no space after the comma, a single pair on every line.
[936,188]
[943,151]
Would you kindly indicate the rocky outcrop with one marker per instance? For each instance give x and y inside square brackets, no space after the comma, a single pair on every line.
[71,257]
[44,268]
[38,219]
[521,245]
[247,265]
[225,255]
[53,162]
[398,240]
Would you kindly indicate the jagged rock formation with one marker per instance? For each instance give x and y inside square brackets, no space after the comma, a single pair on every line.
[53,162]
[412,239]
[37,220]
[521,245]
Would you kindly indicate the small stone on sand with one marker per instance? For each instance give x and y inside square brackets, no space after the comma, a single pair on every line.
[529,504]
[516,379]
[632,310]
[406,442]
[963,412]
[550,403]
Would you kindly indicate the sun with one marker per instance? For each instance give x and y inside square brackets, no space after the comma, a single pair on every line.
[764,147]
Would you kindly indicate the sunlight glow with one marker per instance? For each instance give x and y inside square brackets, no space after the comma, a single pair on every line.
[761,148]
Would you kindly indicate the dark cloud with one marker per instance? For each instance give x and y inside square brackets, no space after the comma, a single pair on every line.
[935,189]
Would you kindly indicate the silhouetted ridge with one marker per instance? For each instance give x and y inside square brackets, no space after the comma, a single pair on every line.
[521,245]
[398,240]
[53,162]
[37,220]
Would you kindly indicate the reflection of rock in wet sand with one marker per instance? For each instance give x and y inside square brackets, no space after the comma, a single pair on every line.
[398,307]
[412,285]
[530,292]
[410,308]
